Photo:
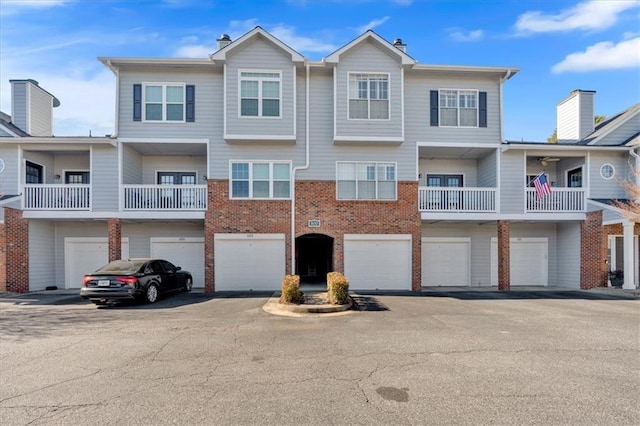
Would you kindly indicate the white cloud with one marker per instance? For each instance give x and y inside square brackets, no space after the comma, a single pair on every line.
[588,15]
[372,24]
[195,51]
[300,43]
[459,35]
[12,7]
[602,56]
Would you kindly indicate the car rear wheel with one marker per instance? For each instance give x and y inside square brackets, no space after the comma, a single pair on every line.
[151,295]
[188,285]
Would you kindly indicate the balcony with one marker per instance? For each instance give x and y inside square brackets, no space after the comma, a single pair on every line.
[459,200]
[561,200]
[164,197]
[56,197]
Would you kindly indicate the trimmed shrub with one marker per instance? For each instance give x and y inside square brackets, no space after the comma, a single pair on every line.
[337,288]
[291,290]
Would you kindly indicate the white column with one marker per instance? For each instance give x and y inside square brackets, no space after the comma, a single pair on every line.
[629,261]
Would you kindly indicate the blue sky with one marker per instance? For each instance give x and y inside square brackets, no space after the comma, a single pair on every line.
[559,45]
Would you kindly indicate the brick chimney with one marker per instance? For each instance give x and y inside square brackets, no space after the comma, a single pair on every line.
[575,116]
[32,107]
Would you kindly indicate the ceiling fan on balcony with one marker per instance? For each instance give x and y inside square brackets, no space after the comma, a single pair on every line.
[546,160]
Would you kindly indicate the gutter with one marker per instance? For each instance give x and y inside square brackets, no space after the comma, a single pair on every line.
[293,175]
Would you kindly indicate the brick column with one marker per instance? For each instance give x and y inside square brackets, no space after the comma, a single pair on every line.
[115,239]
[3,259]
[209,223]
[504,279]
[16,250]
[591,252]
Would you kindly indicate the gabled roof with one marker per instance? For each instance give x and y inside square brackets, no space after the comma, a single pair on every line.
[221,55]
[609,125]
[370,35]
[9,127]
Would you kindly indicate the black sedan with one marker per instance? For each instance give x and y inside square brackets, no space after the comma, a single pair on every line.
[134,279]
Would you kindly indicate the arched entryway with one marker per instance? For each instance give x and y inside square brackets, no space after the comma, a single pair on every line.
[314,258]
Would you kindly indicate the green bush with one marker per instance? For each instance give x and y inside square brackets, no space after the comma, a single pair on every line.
[291,290]
[337,288]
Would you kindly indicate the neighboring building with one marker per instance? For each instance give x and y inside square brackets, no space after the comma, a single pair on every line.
[256,162]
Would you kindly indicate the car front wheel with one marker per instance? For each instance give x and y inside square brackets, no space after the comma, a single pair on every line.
[188,285]
[151,295]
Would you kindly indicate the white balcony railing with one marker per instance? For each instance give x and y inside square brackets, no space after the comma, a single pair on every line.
[443,199]
[56,197]
[562,200]
[164,197]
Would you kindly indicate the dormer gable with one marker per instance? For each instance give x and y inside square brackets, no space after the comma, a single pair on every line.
[370,36]
[258,32]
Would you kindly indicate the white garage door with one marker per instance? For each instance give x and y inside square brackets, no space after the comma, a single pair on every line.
[187,253]
[378,262]
[446,262]
[529,261]
[249,261]
[86,254]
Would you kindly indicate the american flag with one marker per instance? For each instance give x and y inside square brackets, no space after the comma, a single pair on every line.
[542,185]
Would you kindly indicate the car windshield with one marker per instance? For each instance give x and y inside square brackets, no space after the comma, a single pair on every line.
[121,266]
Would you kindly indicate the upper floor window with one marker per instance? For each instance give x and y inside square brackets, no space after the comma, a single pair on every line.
[459,108]
[257,179]
[164,102]
[369,96]
[33,173]
[366,181]
[260,94]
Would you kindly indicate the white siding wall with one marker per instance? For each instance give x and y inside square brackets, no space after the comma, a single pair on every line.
[512,182]
[208,106]
[568,255]
[567,120]
[603,188]
[19,105]
[44,159]
[367,57]
[104,180]
[70,162]
[9,178]
[131,166]
[566,164]
[260,55]
[140,233]
[417,124]
[467,168]
[623,132]
[42,255]
[41,113]
[4,134]
[487,174]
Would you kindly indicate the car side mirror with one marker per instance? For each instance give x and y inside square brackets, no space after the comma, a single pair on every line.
[178,268]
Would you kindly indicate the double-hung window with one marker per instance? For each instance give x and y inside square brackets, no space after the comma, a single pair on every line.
[258,179]
[164,102]
[369,96]
[260,94]
[366,181]
[459,108]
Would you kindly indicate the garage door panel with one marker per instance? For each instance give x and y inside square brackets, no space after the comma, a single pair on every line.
[384,264]
[446,262]
[528,262]
[84,255]
[188,253]
[249,261]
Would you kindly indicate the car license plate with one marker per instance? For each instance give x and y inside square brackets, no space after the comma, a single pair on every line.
[104,283]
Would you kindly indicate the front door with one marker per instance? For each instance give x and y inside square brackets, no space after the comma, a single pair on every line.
[76,177]
[314,258]
[33,173]
[574,178]
[177,198]
[445,200]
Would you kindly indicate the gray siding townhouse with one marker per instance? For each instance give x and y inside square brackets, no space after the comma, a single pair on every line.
[256,162]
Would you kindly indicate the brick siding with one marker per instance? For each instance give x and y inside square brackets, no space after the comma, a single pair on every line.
[115,239]
[3,259]
[314,200]
[592,254]
[16,250]
[504,258]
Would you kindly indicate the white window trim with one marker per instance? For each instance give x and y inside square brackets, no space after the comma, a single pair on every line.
[368,99]
[44,173]
[157,171]
[375,163]
[164,102]
[63,176]
[566,176]
[477,92]
[250,179]
[613,171]
[240,79]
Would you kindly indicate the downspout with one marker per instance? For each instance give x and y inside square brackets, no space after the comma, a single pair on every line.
[293,175]
[636,170]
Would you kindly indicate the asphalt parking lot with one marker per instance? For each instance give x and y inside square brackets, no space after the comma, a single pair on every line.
[440,358]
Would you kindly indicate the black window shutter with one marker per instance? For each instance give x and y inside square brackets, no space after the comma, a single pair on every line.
[482,111]
[191,103]
[434,108]
[137,102]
